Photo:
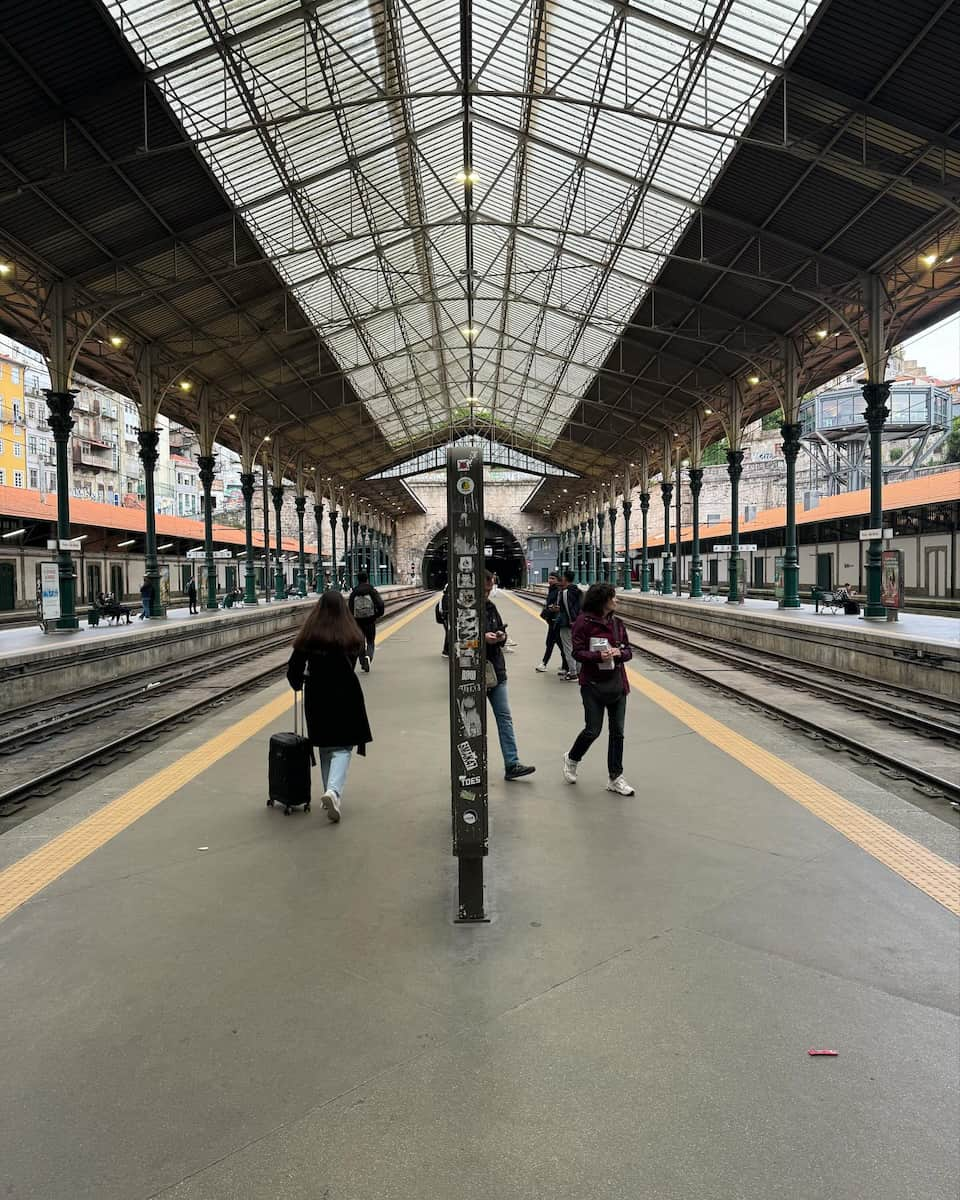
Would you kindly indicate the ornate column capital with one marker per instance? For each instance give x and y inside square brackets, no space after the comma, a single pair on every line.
[59,418]
[318,511]
[206,464]
[333,518]
[247,485]
[696,480]
[734,464]
[876,395]
[149,440]
[300,504]
[628,507]
[613,514]
[644,502]
[277,494]
[791,440]
[666,491]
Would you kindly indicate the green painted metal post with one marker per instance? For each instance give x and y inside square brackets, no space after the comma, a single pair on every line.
[279,583]
[600,575]
[734,470]
[876,396]
[149,440]
[666,491]
[612,578]
[249,575]
[644,557]
[345,530]
[60,420]
[696,568]
[334,578]
[627,576]
[206,464]
[300,504]
[318,517]
[791,553]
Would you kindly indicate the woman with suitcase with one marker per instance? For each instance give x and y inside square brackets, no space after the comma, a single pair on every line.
[323,663]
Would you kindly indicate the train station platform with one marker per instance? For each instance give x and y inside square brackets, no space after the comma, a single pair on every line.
[205,999]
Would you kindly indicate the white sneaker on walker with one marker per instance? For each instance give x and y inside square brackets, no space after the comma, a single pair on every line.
[541,667]
[620,786]
[331,805]
[570,769]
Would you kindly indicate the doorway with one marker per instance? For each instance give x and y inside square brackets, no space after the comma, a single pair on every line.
[825,572]
[935,567]
[8,587]
[116,581]
[758,565]
[94,581]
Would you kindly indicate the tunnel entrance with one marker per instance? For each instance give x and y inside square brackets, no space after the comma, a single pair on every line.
[503,554]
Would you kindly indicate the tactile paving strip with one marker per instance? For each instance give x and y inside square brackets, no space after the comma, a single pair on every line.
[31,874]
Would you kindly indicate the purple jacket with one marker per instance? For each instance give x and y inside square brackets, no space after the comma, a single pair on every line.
[589,625]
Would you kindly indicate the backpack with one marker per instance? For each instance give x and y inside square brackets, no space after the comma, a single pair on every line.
[363,608]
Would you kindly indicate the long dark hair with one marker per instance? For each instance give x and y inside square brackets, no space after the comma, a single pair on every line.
[595,601]
[330,626]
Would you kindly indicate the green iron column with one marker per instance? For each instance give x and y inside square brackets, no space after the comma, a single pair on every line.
[345,530]
[300,504]
[613,545]
[696,569]
[876,396]
[601,575]
[279,584]
[644,558]
[666,491]
[206,464]
[267,580]
[627,576]
[365,551]
[149,440]
[318,517]
[249,576]
[791,553]
[334,578]
[734,470]
[60,420]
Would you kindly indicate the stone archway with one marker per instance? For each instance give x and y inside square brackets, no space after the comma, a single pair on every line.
[503,554]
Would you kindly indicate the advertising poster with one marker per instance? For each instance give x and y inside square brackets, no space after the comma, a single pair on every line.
[891,579]
[49,594]
[165,587]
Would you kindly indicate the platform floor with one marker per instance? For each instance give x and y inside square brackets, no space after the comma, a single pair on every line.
[206,1000]
[925,627]
[32,636]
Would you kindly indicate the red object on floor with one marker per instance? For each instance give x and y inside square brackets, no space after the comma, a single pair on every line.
[823,1053]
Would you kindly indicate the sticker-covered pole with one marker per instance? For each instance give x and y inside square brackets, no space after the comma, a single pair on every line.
[468,703]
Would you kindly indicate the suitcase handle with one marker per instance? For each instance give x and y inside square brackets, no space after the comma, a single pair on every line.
[298,715]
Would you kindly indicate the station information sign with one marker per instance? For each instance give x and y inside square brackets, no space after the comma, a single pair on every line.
[744,546]
[468,704]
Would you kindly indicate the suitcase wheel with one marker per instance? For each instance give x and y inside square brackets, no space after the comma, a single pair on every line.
[270,802]
[287,810]
[306,807]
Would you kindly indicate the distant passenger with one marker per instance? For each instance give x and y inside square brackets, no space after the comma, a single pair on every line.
[601,646]
[325,651]
[444,610]
[551,614]
[367,609]
[569,598]
[146,598]
[495,635]
[192,593]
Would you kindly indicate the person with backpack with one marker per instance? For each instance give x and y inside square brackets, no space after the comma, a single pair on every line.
[192,594]
[367,608]
[495,637]
[601,647]
[323,663]
[551,613]
[568,599]
[146,598]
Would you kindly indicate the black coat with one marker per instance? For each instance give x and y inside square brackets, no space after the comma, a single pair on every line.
[571,610]
[493,623]
[333,699]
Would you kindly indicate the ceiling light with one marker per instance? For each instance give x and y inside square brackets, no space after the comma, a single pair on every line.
[821,334]
[708,411]
[928,259]
[14,533]
[81,537]
[185,385]
[6,268]
[116,340]
[266,437]
[166,546]
[948,260]
[231,416]
[470,332]
[753,380]
[128,542]
[468,177]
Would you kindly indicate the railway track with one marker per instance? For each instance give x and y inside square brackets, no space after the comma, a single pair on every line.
[77,734]
[909,735]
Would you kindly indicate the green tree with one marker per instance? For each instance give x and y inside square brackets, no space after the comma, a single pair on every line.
[715,455]
[772,420]
[953,441]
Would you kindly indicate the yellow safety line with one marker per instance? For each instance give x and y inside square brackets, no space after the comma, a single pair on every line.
[29,875]
[939,879]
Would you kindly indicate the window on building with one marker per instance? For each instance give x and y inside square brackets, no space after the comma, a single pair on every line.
[15,374]
[3,477]
[18,450]
[34,476]
[31,410]
[18,479]
[51,481]
[1,445]
[33,446]
[16,410]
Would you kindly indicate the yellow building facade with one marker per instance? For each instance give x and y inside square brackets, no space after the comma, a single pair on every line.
[13,424]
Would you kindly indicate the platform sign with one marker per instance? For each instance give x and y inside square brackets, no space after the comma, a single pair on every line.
[891,581]
[876,535]
[468,706]
[65,544]
[48,592]
[743,547]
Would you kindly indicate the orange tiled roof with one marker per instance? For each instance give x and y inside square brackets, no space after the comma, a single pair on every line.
[907,493]
[25,504]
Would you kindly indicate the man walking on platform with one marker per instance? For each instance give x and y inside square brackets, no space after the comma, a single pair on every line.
[192,593]
[495,636]
[367,608]
[146,596]
[569,600]
[551,614]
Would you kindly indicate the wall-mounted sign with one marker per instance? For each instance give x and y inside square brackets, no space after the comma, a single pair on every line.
[875,535]
[744,546]
[65,544]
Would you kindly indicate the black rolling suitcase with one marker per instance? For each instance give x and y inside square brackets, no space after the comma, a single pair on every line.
[290,760]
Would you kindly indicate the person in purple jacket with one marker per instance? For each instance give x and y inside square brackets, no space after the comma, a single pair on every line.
[601,647]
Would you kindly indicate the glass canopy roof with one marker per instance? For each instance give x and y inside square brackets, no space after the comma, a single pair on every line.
[467,199]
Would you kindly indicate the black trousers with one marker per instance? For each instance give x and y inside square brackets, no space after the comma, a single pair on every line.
[594,706]
[369,631]
[553,639]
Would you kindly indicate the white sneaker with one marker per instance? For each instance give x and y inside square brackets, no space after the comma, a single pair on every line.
[540,667]
[620,786]
[331,805]
[570,769]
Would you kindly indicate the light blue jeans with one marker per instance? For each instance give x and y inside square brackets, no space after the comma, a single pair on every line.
[501,711]
[334,764]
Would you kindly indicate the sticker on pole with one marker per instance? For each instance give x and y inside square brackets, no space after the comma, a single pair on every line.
[463,464]
[464,486]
